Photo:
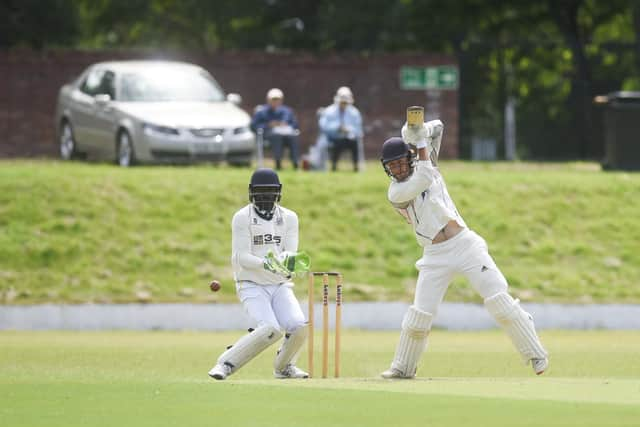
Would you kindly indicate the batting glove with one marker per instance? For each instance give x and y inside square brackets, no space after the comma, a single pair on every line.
[421,136]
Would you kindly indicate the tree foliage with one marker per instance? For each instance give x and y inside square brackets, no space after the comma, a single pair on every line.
[37,24]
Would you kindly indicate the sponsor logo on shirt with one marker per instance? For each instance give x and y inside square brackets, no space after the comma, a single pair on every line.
[266,239]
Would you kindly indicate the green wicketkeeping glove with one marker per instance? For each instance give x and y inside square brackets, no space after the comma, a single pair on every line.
[272,264]
[296,262]
[287,264]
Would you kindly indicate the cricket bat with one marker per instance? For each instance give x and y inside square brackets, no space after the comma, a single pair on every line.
[415,117]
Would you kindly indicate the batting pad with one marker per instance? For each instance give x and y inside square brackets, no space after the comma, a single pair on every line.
[249,346]
[517,323]
[291,346]
[413,341]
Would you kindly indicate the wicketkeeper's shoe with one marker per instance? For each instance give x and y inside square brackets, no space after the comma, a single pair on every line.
[220,372]
[539,365]
[393,373]
[291,371]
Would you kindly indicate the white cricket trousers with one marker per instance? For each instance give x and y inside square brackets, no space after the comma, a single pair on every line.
[465,253]
[273,305]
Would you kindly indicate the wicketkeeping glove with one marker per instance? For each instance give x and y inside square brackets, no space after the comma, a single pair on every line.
[272,264]
[296,262]
[287,264]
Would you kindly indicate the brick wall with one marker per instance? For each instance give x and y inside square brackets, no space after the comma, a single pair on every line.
[29,83]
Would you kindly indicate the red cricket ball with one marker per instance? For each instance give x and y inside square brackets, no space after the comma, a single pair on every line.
[214,286]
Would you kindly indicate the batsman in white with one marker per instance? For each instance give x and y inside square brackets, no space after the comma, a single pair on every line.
[265,288]
[419,194]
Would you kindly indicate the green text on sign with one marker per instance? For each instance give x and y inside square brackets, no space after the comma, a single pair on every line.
[420,78]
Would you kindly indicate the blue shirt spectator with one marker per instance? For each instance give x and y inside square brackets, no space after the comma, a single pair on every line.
[273,113]
[337,122]
[265,115]
[341,123]
[279,126]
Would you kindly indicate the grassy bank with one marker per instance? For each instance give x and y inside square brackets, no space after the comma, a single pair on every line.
[96,233]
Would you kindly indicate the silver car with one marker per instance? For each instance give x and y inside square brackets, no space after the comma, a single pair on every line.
[151,111]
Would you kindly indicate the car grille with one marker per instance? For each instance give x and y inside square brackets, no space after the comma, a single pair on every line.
[207,132]
[169,156]
[161,154]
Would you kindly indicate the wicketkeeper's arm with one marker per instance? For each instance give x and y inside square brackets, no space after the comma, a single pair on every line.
[241,245]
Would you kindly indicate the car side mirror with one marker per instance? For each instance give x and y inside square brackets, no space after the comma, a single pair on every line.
[102,99]
[235,99]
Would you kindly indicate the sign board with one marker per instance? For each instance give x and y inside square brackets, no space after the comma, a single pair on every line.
[421,78]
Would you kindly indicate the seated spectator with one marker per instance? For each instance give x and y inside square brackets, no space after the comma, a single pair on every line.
[342,124]
[279,127]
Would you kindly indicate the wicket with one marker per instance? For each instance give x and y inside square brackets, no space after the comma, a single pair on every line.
[325,322]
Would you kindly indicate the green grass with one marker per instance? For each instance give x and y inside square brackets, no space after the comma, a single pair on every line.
[159,378]
[96,233]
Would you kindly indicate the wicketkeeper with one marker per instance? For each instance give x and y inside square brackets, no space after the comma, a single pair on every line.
[419,194]
[264,239]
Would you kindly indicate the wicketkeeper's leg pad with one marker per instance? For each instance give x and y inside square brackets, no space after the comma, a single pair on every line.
[249,346]
[517,323]
[290,349]
[413,341]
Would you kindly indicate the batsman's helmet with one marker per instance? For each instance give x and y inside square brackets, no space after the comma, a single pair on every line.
[393,149]
[265,191]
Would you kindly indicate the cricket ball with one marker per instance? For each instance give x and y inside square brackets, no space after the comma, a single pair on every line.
[214,286]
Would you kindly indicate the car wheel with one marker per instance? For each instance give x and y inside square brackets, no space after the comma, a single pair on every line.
[124,151]
[68,149]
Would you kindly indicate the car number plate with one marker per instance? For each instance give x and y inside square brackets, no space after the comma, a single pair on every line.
[204,148]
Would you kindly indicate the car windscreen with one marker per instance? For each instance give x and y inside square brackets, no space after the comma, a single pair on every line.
[159,85]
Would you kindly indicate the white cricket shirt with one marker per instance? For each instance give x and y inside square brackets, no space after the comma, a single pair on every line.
[252,237]
[424,201]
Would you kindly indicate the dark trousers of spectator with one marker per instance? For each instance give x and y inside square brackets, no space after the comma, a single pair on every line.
[338,146]
[278,143]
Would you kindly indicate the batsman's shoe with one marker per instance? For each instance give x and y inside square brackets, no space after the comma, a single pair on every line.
[393,373]
[220,372]
[291,371]
[539,365]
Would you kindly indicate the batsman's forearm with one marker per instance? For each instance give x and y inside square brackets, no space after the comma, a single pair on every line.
[422,153]
[421,179]
[435,144]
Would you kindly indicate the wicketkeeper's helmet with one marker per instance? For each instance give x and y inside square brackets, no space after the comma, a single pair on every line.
[265,191]
[393,149]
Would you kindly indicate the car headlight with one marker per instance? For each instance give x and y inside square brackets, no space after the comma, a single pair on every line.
[150,129]
[240,130]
